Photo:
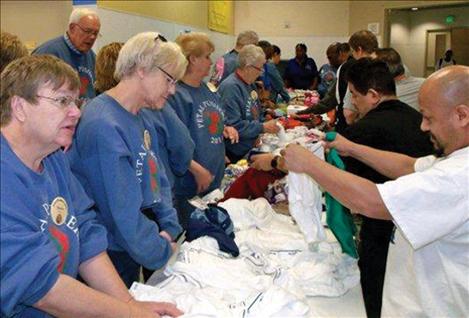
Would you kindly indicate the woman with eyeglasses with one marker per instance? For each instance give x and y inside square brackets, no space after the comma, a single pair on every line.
[49,233]
[200,110]
[241,103]
[113,155]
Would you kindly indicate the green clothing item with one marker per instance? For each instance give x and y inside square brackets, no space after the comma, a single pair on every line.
[339,219]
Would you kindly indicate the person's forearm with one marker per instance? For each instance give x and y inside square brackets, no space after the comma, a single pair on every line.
[99,273]
[356,193]
[326,104]
[390,164]
[70,298]
[195,167]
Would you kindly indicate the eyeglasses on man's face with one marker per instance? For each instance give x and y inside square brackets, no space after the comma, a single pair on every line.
[89,32]
[63,101]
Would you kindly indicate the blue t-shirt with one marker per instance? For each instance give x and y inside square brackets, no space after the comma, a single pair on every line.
[201,111]
[301,76]
[47,228]
[242,111]
[327,77]
[175,145]
[277,87]
[113,158]
[83,63]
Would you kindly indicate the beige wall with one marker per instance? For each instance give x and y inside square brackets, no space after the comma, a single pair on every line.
[364,12]
[305,18]
[409,30]
[35,21]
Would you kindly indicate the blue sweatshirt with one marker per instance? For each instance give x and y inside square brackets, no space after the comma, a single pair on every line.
[83,63]
[175,145]
[113,158]
[47,228]
[277,86]
[200,110]
[231,63]
[242,111]
[301,76]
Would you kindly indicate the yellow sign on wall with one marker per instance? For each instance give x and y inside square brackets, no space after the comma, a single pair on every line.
[220,16]
[187,12]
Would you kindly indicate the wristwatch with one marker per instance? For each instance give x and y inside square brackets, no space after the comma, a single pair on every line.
[274,162]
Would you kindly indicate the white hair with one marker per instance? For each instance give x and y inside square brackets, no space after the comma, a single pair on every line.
[147,51]
[79,13]
[247,37]
[250,54]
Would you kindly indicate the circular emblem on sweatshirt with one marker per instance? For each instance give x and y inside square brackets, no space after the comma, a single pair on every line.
[146,139]
[59,210]
[254,95]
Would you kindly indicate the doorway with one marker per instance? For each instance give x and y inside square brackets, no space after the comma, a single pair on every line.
[438,41]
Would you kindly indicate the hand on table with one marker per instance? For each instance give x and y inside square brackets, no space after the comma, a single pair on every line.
[170,240]
[203,178]
[142,309]
[294,116]
[262,161]
[231,133]
[271,127]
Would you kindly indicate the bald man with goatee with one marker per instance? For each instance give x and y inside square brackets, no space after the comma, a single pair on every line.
[428,201]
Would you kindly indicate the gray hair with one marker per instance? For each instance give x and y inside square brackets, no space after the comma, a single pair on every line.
[250,54]
[247,37]
[147,51]
[79,13]
[392,59]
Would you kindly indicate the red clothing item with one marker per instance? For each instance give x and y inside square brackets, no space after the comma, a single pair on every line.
[290,123]
[252,184]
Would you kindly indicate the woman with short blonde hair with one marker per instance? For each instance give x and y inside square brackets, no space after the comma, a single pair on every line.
[114,156]
[105,67]
[11,48]
[201,112]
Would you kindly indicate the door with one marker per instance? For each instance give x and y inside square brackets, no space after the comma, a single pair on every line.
[460,45]
[438,41]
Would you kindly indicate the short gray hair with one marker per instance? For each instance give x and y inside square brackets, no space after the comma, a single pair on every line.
[247,37]
[79,13]
[250,54]
[147,51]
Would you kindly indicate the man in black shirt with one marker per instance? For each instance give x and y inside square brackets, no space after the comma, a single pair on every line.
[386,124]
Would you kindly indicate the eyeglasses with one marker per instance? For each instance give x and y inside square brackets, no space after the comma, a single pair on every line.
[64,101]
[161,38]
[258,68]
[171,80]
[88,31]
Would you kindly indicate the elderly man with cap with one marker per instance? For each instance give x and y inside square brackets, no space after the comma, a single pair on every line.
[74,47]
[426,273]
